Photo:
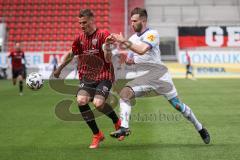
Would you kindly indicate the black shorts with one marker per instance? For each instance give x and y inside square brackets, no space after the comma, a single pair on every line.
[189,68]
[17,72]
[96,88]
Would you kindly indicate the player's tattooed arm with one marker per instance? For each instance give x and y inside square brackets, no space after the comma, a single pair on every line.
[67,59]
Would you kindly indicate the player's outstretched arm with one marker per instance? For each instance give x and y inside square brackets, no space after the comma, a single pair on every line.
[137,48]
[68,58]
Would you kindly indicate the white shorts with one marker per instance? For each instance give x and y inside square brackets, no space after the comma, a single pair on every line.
[158,80]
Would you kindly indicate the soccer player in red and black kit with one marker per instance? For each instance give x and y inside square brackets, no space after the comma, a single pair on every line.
[17,57]
[95,74]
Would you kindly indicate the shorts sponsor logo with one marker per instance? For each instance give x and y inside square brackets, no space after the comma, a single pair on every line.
[81,85]
[105,89]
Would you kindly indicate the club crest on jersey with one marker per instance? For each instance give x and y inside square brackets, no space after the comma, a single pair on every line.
[94,42]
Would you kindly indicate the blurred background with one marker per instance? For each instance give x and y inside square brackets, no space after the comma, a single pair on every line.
[208,30]
[201,35]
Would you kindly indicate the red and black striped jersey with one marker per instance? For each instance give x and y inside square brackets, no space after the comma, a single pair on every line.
[92,64]
[16,59]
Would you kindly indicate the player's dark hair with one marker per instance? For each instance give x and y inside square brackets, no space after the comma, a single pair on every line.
[141,11]
[86,13]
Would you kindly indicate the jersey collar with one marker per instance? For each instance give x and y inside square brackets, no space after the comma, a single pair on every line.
[93,32]
[139,34]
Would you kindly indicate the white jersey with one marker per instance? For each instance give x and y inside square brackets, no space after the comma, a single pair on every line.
[152,38]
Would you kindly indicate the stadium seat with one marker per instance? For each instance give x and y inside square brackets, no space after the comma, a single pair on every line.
[41,21]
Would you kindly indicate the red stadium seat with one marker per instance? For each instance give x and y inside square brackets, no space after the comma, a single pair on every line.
[34,24]
[35,8]
[106,18]
[41,25]
[41,21]
[17,38]
[10,45]
[13,7]
[25,19]
[61,37]
[47,37]
[11,37]
[46,46]
[27,13]
[11,31]
[25,31]
[34,19]
[11,25]
[17,31]
[64,6]
[40,37]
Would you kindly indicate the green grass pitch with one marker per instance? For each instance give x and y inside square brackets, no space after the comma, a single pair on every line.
[29,128]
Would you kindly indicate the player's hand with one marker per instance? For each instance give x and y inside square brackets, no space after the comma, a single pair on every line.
[110,39]
[57,73]
[118,37]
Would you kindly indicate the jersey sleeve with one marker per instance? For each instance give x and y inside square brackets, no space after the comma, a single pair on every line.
[151,38]
[76,46]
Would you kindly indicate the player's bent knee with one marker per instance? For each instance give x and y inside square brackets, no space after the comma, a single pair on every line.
[98,101]
[20,78]
[82,100]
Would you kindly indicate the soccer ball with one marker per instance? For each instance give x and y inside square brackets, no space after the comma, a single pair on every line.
[34,81]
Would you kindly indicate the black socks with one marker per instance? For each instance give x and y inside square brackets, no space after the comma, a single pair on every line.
[108,111]
[88,116]
[20,86]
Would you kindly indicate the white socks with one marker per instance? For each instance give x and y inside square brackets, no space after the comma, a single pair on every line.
[188,114]
[125,111]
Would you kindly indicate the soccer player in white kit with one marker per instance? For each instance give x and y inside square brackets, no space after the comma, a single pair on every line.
[145,53]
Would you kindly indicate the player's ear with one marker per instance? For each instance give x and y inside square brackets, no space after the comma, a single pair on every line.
[144,19]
